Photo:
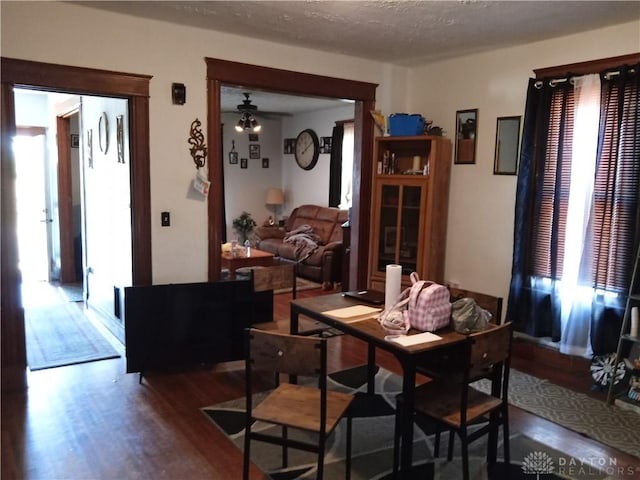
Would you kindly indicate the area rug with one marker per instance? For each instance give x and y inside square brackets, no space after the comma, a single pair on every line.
[373,429]
[608,424]
[60,334]
[302,284]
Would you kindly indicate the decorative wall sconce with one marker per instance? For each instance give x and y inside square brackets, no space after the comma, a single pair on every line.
[178,93]
[198,149]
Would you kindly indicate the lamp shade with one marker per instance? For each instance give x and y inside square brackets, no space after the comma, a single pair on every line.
[275,196]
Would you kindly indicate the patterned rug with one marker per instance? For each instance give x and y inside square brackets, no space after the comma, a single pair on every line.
[609,424]
[373,427]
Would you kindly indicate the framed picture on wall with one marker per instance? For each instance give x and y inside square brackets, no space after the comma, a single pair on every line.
[254,151]
[75,140]
[253,137]
[289,145]
[243,163]
[325,145]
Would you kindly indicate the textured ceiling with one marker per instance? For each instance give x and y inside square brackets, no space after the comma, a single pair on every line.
[401,32]
[405,32]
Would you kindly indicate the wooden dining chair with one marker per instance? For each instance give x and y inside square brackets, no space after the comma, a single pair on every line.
[489,302]
[443,364]
[454,404]
[308,408]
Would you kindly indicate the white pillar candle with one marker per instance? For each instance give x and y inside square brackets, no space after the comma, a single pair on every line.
[416,163]
[634,322]
[392,285]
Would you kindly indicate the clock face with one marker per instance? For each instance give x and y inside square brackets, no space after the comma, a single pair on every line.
[307,149]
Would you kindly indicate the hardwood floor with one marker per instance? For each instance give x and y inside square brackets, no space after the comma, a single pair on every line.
[93,421]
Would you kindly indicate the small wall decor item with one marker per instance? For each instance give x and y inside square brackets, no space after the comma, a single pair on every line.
[233,155]
[466,130]
[265,163]
[254,151]
[243,163]
[90,148]
[120,137]
[289,145]
[103,133]
[507,142]
[75,140]
[201,183]
[253,137]
[325,146]
[198,149]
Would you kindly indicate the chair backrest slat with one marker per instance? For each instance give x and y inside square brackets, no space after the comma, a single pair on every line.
[292,355]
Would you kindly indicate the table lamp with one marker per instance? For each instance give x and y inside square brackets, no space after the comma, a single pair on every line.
[275,197]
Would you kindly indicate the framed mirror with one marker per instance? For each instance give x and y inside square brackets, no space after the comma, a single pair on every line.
[507,146]
[466,130]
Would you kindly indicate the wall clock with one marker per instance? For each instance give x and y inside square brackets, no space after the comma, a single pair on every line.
[307,149]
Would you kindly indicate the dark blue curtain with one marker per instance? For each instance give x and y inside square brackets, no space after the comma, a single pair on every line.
[534,305]
[335,167]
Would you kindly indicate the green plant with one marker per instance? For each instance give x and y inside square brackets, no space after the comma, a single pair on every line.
[244,225]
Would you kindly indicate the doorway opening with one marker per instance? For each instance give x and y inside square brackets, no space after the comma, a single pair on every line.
[53,230]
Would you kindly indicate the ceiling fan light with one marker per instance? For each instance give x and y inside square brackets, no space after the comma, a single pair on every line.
[255,125]
[240,125]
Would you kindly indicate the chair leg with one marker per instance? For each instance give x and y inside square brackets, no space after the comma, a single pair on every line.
[396,438]
[465,454]
[247,453]
[452,437]
[348,462]
[507,448]
[285,451]
[321,447]
[436,443]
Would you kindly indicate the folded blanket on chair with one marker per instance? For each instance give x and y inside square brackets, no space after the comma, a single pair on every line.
[304,240]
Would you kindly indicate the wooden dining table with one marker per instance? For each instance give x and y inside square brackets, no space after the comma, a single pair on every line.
[330,310]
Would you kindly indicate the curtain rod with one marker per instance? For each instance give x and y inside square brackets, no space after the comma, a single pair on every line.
[555,81]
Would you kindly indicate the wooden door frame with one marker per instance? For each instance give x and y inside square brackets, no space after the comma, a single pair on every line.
[81,81]
[224,72]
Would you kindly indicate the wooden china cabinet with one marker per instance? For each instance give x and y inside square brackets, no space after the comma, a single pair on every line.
[410,207]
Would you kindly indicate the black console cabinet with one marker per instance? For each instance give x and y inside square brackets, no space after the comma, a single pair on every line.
[178,325]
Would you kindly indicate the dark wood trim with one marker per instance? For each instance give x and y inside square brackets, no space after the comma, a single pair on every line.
[584,68]
[65,202]
[76,80]
[140,190]
[65,78]
[345,122]
[13,351]
[221,72]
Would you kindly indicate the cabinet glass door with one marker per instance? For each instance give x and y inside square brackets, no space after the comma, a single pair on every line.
[388,239]
[410,229]
[399,227]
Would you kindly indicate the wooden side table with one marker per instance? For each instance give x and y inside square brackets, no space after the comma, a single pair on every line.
[256,258]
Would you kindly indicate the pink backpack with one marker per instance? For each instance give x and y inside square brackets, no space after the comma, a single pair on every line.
[429,307]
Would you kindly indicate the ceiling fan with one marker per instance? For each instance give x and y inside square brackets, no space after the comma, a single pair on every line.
[248,107]
[247,120]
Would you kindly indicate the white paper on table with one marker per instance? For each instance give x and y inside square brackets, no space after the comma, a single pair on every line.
[356,312]
[409,340]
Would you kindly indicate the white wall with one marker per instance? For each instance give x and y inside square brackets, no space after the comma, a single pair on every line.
[310,186]
[481,204]
[246,189]
[481,208]
[77,35]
